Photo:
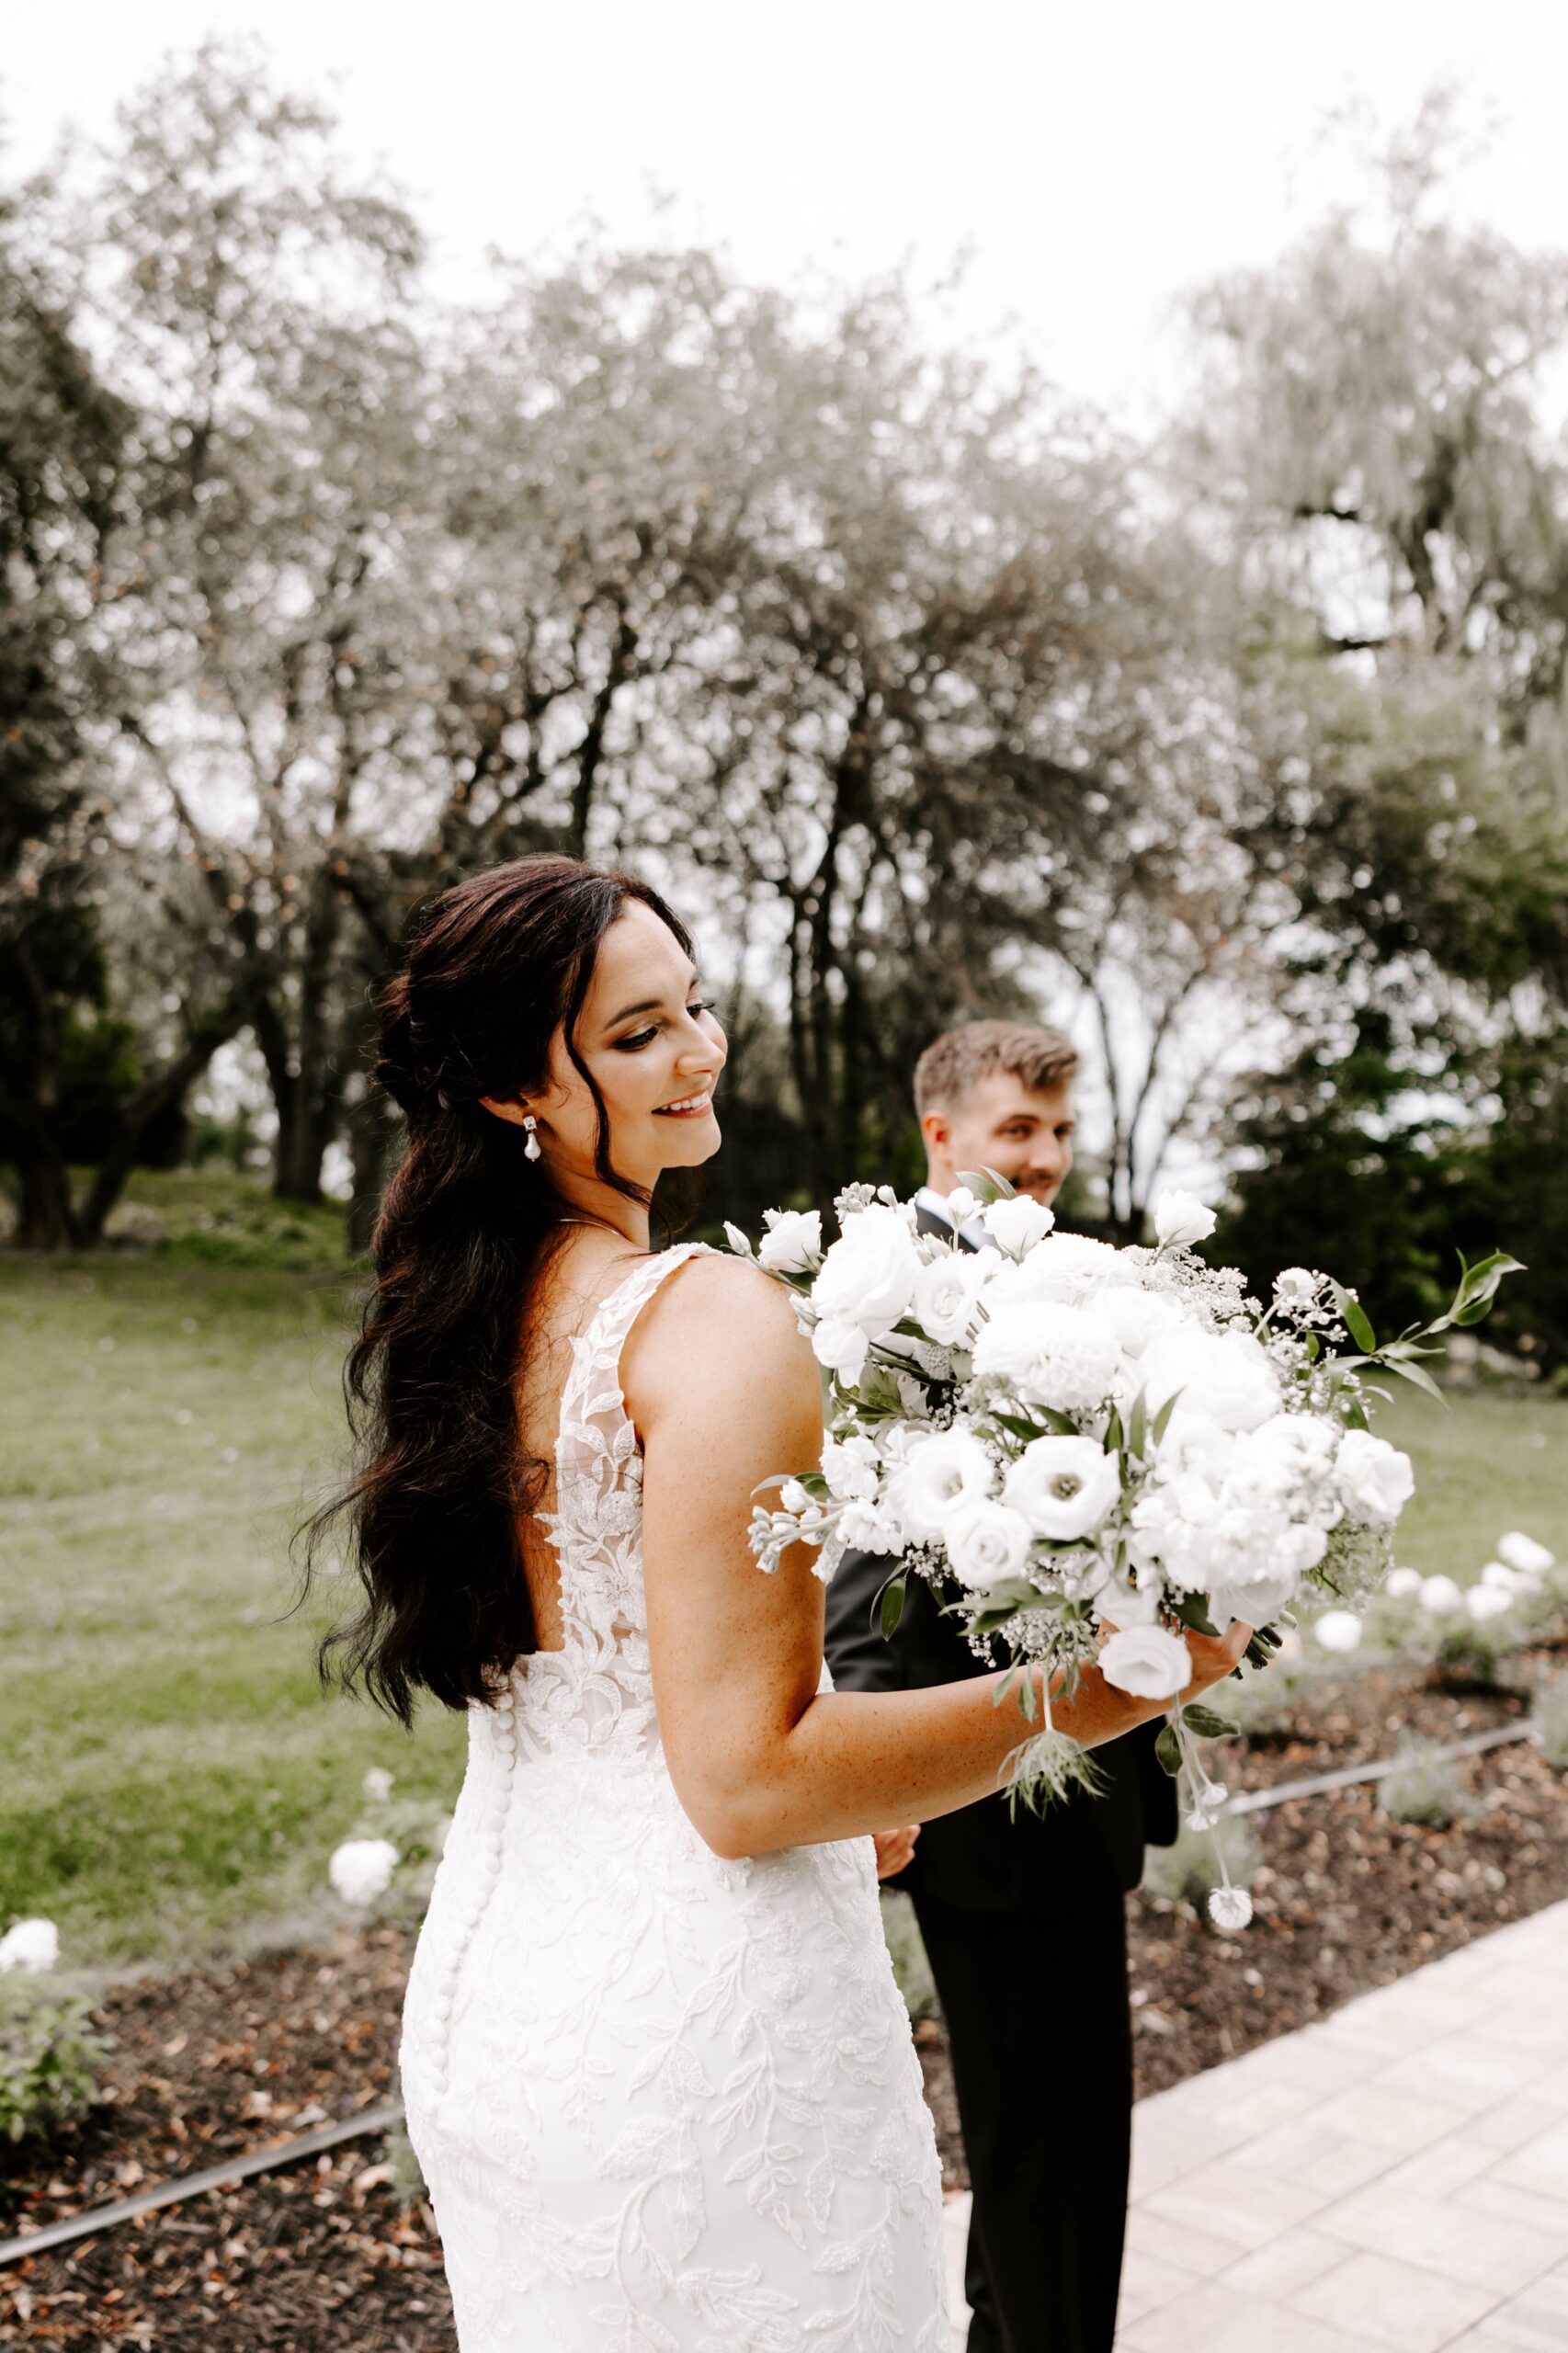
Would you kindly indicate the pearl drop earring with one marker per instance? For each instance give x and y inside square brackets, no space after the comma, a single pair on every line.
[531,1149]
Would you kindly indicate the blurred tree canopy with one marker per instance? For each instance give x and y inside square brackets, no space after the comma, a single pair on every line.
[927,695]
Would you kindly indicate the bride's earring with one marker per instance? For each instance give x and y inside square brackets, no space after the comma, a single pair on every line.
[531,1149]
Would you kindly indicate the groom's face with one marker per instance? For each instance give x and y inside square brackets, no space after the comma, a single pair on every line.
[1023,1132]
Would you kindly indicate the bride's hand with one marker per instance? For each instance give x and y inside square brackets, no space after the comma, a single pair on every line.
[1214,1656]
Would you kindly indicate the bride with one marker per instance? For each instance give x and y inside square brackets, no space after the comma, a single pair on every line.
[656,2069]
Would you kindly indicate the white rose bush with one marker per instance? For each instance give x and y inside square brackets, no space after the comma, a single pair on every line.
[1088,1450]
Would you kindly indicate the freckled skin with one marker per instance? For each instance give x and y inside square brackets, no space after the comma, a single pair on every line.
[724,1392]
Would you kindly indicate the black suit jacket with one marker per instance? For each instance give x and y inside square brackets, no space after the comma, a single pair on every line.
[985,1858]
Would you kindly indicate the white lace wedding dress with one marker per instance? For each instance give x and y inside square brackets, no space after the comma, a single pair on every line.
[662,2102]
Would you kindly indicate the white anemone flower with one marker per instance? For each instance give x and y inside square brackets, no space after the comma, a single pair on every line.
[1064,1487]
[944,1473]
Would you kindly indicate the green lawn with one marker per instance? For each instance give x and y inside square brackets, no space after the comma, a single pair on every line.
[169,1773]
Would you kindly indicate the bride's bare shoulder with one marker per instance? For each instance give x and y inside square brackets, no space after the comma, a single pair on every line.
[721,1318]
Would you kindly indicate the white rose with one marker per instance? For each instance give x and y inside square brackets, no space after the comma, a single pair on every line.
[361,1869]
[1401,1584]
[945,1293]
[1375,1481]
[792,1243]
[377,1784]
[1147,1661]
[1136,1316]
[868,1277]
[948,1471]
[851,1468]
[1181,1218]
[1018,1224]
[1487,1602]
[1121,1603]
[1522,1553]
[1062,1487]
[986,1545]
[841,1348]
[1299,1438]
[1172,1528]
[1255,1596]
[1052,1355]
[1338,1630]
[1441,1596]
[32,1945]
[1194,1442]
[1225,1375]
[1295,1286]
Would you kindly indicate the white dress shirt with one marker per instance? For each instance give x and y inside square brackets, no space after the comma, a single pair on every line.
[973,1233]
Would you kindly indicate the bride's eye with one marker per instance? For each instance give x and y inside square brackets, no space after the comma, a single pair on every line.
[634,1044]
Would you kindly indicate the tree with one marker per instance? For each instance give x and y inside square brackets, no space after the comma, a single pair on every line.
[68,1053]
[1375,441]
[255,299]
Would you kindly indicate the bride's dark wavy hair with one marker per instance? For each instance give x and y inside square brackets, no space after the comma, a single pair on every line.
[493,968]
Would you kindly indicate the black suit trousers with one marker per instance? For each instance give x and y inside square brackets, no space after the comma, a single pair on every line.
[1046,2110]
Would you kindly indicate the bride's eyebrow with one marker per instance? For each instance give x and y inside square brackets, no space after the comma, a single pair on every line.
[648,1004]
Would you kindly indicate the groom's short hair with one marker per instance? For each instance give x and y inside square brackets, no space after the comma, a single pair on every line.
[954,1063]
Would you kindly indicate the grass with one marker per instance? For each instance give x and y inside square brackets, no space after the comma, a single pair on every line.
[169,1772]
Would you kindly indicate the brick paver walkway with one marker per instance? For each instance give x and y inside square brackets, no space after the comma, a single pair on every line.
[1396,2176]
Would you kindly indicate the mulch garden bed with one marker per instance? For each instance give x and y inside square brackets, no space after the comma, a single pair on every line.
[337,2255]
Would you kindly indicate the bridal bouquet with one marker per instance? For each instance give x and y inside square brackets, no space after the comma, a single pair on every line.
[1087,1449]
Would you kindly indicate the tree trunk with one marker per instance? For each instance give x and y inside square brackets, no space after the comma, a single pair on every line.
[373,1136]
[44,1218]
[297,1153]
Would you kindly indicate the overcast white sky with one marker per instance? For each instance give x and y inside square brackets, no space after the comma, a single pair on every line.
[1095,161]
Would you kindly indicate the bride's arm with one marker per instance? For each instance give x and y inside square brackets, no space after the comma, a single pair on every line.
[725,1394]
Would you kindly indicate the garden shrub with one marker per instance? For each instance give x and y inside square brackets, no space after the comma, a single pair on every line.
[49,2059]
[1424,1786]
[1550,1716]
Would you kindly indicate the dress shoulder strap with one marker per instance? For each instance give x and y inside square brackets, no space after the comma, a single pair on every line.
[595,1380]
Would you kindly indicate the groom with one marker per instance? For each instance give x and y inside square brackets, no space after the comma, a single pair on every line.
[1023,1918]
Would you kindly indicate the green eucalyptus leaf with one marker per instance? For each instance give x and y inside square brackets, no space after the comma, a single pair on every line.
[1209,1723]
[1417,1373]
[1017,1426]
[1354,1315]
[1163,1418]
[1168,1748]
